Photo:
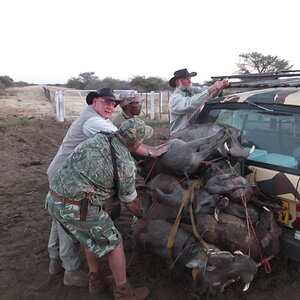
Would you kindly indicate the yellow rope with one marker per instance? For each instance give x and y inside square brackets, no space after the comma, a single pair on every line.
[175,226]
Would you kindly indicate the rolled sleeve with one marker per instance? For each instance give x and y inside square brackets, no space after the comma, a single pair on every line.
[128,198]
[126,180]
[96,124]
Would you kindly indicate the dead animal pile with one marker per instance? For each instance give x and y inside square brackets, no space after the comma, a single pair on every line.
[201,214]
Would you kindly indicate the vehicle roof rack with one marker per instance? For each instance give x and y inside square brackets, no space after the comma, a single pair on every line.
[282,78]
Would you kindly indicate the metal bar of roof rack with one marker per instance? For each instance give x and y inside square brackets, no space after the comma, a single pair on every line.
[286,71]
[294,82]
[277,74]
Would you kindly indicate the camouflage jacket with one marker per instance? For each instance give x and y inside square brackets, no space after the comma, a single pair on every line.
[89,169]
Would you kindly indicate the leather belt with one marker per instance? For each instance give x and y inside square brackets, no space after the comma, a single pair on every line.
[63,199]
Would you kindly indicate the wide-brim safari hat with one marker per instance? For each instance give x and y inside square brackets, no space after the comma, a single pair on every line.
[106,93]
[181,74]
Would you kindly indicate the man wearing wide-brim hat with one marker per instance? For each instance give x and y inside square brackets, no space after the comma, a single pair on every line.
[186,99]
[94,118]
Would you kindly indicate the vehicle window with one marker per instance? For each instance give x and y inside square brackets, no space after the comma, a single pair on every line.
[276,135]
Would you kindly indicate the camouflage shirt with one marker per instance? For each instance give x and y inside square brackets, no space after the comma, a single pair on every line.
[90,169]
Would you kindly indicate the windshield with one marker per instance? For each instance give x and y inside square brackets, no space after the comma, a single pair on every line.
[275,133]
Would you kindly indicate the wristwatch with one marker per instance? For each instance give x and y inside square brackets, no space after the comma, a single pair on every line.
[150,152]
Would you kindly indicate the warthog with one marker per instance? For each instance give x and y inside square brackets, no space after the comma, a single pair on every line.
[215,269]
[192,146]
[232,233]
[232,186]
[216,195]
[211,132]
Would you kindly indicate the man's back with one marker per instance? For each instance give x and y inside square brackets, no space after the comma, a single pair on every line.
[90,169]
[75,136]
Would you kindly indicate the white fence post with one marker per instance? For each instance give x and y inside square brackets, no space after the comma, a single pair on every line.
[59,105]
[152,105]
[160,104]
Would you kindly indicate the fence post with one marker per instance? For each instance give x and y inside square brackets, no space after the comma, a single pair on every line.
[160,104]
[152,105]
[59,106]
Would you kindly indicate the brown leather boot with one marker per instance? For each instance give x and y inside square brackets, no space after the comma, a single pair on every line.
[75,278]
[99,283]
[127,292]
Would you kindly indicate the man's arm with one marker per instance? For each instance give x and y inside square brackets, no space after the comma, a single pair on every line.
[134,207]
[96,124]
[147,151]
[181,104]
[217,86]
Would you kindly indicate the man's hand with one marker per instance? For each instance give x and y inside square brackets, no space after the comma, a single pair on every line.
[217,86]
[134,207]
[160,150]
[143,150]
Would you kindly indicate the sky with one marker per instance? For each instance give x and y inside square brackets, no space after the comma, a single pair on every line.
[46,42]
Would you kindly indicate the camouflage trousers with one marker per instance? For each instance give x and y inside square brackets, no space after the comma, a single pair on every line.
[97,233]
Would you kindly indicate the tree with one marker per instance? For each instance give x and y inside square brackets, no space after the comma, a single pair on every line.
[6,81]
[254,62]
[88,77]
[75,83]
[82,81]
[143,84]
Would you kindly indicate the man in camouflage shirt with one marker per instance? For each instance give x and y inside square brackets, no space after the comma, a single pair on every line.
[90,172]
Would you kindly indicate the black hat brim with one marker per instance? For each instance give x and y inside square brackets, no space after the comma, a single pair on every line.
[172,82]
[173,79]
[90,97]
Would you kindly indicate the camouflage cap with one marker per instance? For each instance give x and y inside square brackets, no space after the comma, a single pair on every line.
[129,97]
[132,130]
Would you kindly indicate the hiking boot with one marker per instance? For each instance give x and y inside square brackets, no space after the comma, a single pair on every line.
[99,283]
[126,292]
[75,278]
[55,266]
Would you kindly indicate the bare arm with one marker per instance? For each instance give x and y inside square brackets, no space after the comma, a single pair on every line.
[145,150]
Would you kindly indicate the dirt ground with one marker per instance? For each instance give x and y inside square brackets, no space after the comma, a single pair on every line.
[29,139]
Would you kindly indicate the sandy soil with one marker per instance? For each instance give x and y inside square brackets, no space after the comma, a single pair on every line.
[29,139]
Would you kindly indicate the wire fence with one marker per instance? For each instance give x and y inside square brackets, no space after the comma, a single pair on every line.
[70,103]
